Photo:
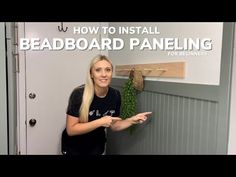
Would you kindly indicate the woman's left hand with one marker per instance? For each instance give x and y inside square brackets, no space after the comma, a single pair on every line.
[140,118]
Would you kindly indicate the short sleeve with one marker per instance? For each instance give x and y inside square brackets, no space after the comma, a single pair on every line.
[74,102]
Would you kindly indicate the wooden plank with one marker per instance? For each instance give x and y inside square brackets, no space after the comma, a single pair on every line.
[171,69]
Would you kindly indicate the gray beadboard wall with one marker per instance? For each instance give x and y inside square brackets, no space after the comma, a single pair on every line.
[186,119]
[181,123]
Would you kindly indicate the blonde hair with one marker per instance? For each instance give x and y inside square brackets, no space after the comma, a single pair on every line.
[89,89]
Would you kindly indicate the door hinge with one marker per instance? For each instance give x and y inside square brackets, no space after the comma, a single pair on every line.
[16,56]
[15,44]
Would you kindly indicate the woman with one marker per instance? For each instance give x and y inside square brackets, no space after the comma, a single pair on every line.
[93,107]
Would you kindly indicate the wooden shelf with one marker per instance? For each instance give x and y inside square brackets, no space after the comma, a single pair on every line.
[171,69]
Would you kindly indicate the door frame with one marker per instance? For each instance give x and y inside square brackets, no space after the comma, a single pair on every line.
[3,93]
[21,93]
[232,121]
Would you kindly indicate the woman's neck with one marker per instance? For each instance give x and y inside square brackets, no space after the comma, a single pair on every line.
[101,92]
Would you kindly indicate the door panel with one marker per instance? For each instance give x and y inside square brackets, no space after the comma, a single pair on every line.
[50,77]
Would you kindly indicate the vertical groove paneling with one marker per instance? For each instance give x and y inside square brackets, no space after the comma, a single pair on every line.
[166,124]
[163,124]
[175,117]
[178,125]
[181,120]
[168,129]
[185,126]
[204,127]
[159,123]
[172,143]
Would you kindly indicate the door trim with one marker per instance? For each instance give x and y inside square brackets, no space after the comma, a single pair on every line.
[21,93]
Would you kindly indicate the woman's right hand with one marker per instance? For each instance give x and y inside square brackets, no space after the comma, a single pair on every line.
[106,121]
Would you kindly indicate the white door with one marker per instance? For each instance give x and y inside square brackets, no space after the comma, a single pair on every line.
[50,76]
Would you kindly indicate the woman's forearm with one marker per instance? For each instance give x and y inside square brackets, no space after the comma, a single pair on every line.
[82,128]
[74,127]
[123,124]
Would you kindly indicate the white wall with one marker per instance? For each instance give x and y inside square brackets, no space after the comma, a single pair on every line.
[3,96]
[201,69]
[232,128]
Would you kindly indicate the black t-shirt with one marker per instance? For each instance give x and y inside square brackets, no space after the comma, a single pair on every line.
[94,141]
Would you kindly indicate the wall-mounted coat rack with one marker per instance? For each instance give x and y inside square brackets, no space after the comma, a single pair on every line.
[171,69]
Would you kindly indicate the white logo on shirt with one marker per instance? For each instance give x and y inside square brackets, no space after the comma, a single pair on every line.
[98,114]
